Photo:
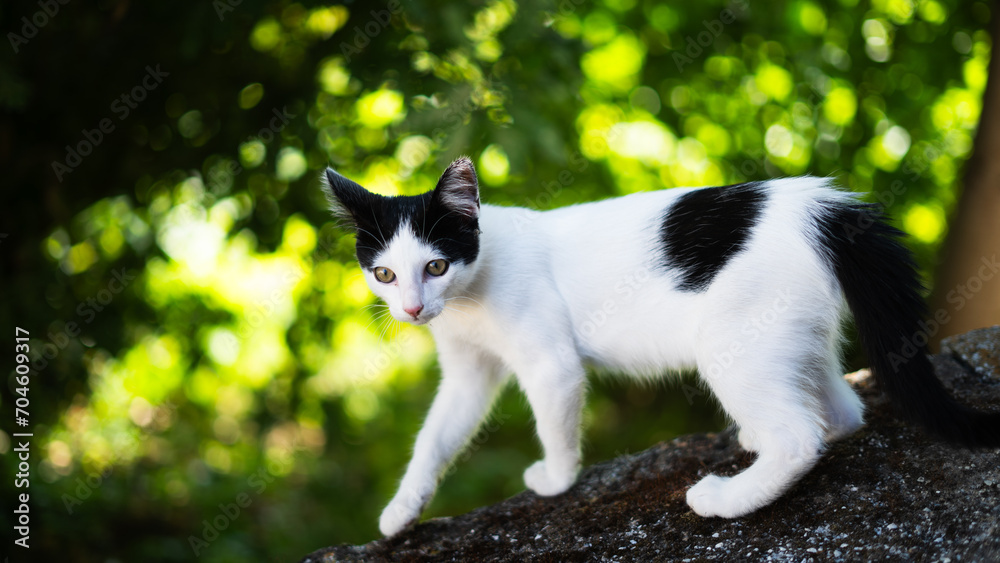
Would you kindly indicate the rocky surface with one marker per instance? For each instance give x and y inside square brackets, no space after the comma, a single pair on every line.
[886,493]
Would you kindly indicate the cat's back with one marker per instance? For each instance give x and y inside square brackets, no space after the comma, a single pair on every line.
[639,259]
[609,217]
[642,227]
[784,198]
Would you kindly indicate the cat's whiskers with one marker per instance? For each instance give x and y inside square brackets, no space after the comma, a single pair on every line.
[423,218]
[385,328]
[466,313]
[371,234]
[379,227]
[467,305]
[379,317]
[438,221]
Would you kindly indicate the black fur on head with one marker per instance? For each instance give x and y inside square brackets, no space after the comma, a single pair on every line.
[446,217]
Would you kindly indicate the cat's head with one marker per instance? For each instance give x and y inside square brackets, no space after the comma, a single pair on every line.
[416,251]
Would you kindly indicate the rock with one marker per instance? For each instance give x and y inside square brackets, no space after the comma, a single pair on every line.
[978,349]
[887,492]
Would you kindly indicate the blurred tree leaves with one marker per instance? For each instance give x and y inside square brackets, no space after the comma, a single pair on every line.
[200,328]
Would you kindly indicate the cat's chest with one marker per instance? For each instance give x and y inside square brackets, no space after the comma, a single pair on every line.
[474,323]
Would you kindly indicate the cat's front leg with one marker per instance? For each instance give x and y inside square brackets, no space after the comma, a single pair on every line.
[467,389]
[554,387]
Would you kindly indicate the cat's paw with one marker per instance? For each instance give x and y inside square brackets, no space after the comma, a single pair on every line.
[843,426]
[545,482]
[711,497]
[396,518]
[401,513]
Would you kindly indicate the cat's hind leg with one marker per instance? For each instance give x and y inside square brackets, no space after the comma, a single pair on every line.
[769,395]
[843,410]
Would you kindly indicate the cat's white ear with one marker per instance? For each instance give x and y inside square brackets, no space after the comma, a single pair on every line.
[458,188]
[347,199]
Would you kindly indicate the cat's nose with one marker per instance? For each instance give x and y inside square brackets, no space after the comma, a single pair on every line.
[414,311]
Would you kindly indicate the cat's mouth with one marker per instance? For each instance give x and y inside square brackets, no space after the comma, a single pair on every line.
[421,319]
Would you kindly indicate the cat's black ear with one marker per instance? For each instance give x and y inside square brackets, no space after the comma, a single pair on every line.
[348,200]
[458,188]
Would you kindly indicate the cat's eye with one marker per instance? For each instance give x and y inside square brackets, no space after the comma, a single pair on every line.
[437,267]
[384,275]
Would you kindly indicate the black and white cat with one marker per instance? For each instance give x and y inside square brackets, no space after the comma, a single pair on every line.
[746,283]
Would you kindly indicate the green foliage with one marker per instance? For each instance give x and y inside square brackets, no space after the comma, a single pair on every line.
[203,339]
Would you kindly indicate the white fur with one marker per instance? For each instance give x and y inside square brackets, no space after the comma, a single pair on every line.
[554,291]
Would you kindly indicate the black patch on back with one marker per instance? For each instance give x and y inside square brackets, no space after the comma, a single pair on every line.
[704,228]
[454,235]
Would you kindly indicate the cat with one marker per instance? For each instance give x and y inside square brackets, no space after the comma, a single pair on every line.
[747,283]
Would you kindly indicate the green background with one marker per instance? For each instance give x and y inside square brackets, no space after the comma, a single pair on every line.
[201,336]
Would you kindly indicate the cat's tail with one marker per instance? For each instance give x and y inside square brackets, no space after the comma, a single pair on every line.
[879,279]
